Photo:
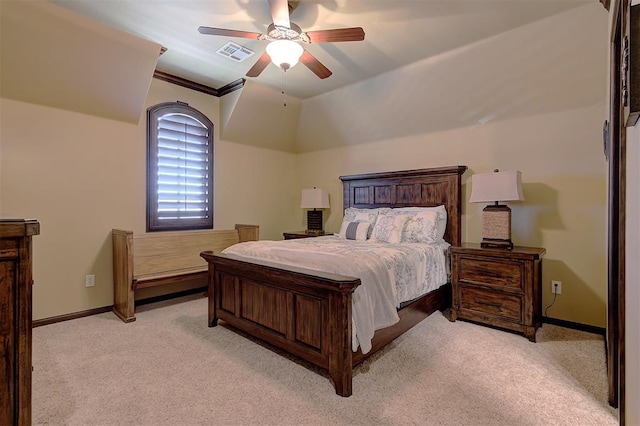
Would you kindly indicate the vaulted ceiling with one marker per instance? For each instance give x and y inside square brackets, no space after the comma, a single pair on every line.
[397,33]
[424,65]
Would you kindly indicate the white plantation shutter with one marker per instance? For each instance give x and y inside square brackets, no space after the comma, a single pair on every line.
[180,177]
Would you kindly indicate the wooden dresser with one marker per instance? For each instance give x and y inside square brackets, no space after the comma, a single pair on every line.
[15,319]
[498,287]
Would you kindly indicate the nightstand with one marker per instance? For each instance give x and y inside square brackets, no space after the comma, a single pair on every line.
[498,287]
[294,235]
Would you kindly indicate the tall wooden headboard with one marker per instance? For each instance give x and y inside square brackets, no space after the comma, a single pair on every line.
[410,188]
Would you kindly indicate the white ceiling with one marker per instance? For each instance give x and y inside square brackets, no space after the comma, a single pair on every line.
[398,33]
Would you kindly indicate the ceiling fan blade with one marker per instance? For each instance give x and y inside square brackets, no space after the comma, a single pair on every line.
[340,34]
[315,65]
[293,5]
[259,66]
[280,13]
[228,33]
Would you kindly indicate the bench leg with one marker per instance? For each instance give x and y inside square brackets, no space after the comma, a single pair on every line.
[125,303]
[123,316]
[123,281]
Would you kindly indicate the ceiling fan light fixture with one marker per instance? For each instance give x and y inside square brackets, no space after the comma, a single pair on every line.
[284,53]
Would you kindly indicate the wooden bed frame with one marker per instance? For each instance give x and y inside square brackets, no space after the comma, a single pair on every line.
[308,313]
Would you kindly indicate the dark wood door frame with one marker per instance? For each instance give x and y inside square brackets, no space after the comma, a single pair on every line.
[616,153]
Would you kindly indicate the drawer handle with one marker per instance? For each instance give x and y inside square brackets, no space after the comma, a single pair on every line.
[484,302]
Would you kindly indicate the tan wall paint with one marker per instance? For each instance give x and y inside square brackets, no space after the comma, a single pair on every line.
[1,103]
[64,60]
[563,167]
[81,176]
[632,296]
[73,173]
[260,117]
[255,186]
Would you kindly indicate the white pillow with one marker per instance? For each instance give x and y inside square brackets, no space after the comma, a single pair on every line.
[422,227]
[441,224]
[388,228]
[354,230]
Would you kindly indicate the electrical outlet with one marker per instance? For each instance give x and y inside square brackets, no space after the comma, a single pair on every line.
[556,287]
[89,280]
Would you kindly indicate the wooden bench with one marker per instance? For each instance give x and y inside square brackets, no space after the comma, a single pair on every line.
[152,259]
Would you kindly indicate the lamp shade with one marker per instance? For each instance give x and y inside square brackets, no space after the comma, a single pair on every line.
[315,198]
[284,53]
[496,186]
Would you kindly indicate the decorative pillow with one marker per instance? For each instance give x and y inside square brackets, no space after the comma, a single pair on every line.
[354,230]
[441,221]
[388,228]
[421,228]
[352,214]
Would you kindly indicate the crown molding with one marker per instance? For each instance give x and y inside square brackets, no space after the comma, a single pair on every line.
[231,87]
[179,81]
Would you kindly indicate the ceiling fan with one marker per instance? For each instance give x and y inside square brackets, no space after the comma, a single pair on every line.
[285,37]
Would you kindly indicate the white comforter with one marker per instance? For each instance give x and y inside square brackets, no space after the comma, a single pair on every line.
[389,273]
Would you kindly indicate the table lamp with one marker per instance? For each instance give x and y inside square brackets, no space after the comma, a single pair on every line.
[496,218]
[314,198]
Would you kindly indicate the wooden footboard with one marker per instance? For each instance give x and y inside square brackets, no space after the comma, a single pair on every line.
[306,313]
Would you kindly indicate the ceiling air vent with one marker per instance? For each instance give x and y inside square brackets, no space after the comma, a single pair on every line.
[235,52]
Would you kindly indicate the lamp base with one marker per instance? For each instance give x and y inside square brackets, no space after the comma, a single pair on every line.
[314,221]
[496,227]
[496,243]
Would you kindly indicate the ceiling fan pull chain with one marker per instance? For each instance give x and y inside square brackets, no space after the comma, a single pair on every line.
[284,86]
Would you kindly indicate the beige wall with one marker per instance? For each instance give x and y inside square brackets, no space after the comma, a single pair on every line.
[563,167]
[1,210]
[632,296]
[81,176]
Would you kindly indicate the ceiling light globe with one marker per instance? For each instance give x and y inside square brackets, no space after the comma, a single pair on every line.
[284,53]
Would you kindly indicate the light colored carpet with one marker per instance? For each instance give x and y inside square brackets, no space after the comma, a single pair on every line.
[169,368]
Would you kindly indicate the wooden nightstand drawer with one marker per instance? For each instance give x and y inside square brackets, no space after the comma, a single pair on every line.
[497,287]
[495,273]
[490,302]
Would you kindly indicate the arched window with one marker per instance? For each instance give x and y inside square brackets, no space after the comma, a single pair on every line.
[179,168]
